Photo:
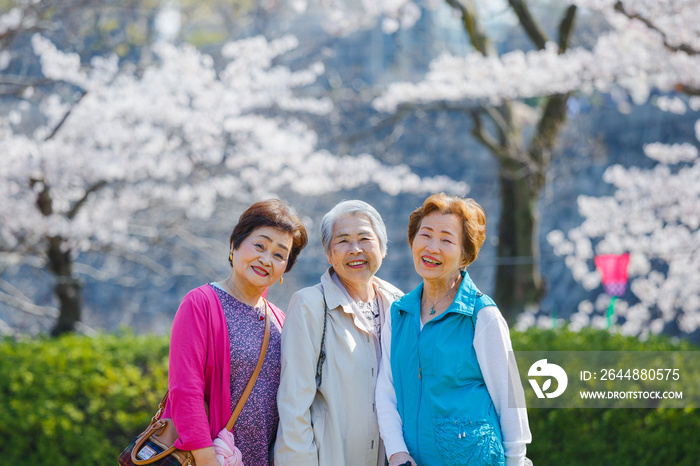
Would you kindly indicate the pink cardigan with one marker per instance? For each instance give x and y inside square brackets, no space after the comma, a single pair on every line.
[200,369]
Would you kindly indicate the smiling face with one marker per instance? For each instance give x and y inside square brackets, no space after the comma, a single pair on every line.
[261,258]
[355,253]
[437,247]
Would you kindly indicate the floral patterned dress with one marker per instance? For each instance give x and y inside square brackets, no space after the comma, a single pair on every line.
[256,427]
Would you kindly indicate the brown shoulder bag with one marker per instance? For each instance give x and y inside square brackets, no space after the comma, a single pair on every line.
[155,445]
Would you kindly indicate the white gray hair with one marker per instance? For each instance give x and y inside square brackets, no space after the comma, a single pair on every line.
[353,207]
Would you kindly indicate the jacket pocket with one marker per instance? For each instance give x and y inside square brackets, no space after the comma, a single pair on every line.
[468,442]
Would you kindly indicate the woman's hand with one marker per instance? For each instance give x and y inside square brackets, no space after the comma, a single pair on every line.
[205,457]
[397,459]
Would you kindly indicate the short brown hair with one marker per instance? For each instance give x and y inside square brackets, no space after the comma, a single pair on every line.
[271,213]
[468,210]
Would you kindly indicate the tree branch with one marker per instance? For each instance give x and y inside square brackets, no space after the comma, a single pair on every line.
[5,329]
[688,90]
[14,86]
[620,7]
[65,117]
[476,32]
[43,199]
[503,123]
[532,29]
[545,138]
[13,297]
[566,28]
[402,111]
[76,207]
[481,134]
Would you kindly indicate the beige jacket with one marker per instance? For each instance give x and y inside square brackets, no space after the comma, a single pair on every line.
[337,424]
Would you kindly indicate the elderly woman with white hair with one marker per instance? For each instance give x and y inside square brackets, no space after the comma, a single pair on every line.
[331,349]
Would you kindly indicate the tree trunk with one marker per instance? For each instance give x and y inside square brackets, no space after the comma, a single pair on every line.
[68,287]
[518,279]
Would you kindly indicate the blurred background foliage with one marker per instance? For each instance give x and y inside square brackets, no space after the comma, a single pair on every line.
[81,400]
[143,290]
[75,399]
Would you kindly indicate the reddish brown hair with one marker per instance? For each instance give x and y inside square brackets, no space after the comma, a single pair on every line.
[271,213]
[470,214]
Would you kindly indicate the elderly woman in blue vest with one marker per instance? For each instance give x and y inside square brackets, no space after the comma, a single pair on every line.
[442,393]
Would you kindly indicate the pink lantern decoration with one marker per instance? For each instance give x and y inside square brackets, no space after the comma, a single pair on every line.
[613,272]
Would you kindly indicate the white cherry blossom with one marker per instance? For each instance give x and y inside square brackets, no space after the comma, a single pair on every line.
[167,141]
[655,216]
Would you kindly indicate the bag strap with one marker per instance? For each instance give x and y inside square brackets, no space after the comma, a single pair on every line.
[248,388]
[322,353]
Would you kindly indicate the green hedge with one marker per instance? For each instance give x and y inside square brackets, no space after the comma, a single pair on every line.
[77,400]
[80,400]
[617,437]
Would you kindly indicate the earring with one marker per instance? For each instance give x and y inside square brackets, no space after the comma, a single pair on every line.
[281,280]
[230,256]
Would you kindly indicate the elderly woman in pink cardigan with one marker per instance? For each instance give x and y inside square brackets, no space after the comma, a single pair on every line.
[216,339]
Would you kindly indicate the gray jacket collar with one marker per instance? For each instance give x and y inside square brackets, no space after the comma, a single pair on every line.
[335,298]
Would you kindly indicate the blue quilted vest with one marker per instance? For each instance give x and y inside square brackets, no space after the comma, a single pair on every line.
[447,413]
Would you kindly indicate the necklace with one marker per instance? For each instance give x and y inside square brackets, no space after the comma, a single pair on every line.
[239,295]
[432,308]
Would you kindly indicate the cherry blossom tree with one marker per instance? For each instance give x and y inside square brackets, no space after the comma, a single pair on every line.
[654,215]
[644,46]
[162,142]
